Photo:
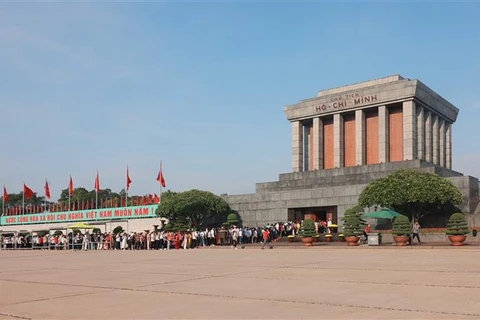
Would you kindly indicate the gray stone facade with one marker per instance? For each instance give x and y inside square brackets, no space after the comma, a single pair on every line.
[425,144]
[276,201]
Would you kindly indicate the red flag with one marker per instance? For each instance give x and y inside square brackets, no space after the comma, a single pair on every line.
[123,202]
[150,199]
[101,204]
[27,191]
[73,206]
[97,183]
[156,199]
[160,178]
[70,187]
[5,195]
[47,190]
[128,180]
[139,201]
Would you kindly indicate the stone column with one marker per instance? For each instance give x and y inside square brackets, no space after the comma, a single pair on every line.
[435,142]
[383,133]
[317,144]
[409,131]
[428,136]
[441,140]
[297,146]
[359,137]
[338,151]
[448,142]
[420,133]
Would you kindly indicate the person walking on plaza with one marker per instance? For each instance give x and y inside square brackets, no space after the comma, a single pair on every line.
[86,240]
[234,237]
[266,236]
[416,229]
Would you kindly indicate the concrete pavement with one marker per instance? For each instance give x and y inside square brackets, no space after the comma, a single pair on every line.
[314,283]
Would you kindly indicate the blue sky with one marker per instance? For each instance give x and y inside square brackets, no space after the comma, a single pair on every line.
[201,86]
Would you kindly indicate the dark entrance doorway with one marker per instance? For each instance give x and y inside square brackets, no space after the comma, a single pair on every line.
[314,213]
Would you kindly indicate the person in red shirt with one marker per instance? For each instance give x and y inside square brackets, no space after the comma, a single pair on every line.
[265,235]
[366,231]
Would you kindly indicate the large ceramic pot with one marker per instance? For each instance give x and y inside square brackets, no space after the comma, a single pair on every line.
[457,240]
[401,240]
[352,240]
[307,241]
[290,239]
[328,239]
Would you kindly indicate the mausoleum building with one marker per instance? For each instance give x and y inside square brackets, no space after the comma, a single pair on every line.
[345,137]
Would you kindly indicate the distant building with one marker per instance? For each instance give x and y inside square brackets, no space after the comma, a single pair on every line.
[347,136]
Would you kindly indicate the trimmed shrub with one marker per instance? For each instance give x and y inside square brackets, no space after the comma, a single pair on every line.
[118,229]
[358,209]
[232,218]
[353,224]
[308,229]
[457,225]
[401,226]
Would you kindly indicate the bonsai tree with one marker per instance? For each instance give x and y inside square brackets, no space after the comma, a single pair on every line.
[353,224]
[457,225]
[401,226]
[308,229]
[232,219]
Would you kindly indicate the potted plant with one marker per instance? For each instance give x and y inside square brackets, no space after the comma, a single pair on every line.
[341,237]
[307,232]
[401,230]
[457,229]
[353,226]
[291,238]
[328,237]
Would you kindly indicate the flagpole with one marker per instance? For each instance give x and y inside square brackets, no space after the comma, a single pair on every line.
[3,203]
[96,191]
[126,190]
[45,208]
[23,198]
[160,185]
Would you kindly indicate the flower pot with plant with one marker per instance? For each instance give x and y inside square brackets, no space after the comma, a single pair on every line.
[307,232]
[401,230]
[291,238]
[457,229]
[328,237]
[353,225]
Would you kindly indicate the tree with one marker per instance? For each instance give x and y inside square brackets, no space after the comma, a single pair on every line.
[232,219]
[308,228]
[457,225]
[81,194]
[353,224]
[411,192]
[401,226]
[195,208]
[16,199]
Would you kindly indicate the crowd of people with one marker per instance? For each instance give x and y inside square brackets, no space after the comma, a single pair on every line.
[157,240]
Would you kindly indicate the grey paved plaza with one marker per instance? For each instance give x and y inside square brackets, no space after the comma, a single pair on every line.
[283,283]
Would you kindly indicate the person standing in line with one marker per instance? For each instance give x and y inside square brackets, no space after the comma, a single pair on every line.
[416,229]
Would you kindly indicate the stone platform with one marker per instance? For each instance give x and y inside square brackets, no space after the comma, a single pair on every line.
[350,283]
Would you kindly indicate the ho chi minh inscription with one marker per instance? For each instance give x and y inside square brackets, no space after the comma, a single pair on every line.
[345,101]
